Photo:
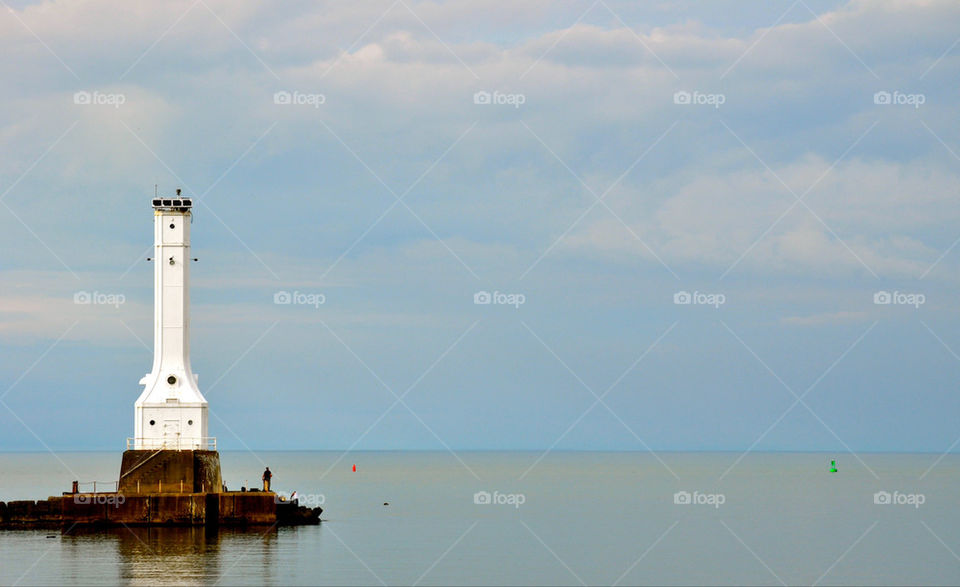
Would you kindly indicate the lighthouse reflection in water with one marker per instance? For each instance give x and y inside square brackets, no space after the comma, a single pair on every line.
[187,555]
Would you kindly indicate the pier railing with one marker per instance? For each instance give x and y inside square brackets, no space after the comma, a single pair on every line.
[179,443]
[96,487]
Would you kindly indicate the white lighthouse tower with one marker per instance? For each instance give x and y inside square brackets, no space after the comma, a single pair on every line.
[171,413]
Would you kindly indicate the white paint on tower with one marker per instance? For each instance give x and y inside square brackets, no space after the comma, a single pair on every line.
[171,412]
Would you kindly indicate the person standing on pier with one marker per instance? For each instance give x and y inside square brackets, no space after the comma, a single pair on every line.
[267,475]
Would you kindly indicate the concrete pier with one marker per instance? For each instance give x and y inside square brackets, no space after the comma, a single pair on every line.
[175,509]
[160,488]
[232,508]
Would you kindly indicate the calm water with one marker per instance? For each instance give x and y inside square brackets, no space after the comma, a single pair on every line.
[593,518]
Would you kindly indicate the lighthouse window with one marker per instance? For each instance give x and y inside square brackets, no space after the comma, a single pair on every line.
[152,422]
[189,422]
[171,380]
[172,226]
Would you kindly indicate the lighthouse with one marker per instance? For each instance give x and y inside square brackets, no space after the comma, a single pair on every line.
[170,449]
[171,413]
[170,472]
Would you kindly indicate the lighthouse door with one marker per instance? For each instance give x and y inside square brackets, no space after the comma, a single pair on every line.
[171,433]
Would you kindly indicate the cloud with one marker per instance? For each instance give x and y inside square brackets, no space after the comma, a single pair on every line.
[699,197]
[878,211]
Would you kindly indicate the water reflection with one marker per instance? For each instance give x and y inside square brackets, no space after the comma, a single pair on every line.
[175,555]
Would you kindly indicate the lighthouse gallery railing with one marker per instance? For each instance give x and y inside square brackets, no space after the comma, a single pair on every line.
[186,443]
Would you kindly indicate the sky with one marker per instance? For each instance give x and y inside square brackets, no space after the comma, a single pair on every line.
[701,225]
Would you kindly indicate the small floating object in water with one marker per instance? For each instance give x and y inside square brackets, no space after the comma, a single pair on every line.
[52,536]
[833,466]
[385,503]
[354,468]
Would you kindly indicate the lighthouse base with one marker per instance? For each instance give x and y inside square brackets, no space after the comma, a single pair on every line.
[170,471]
